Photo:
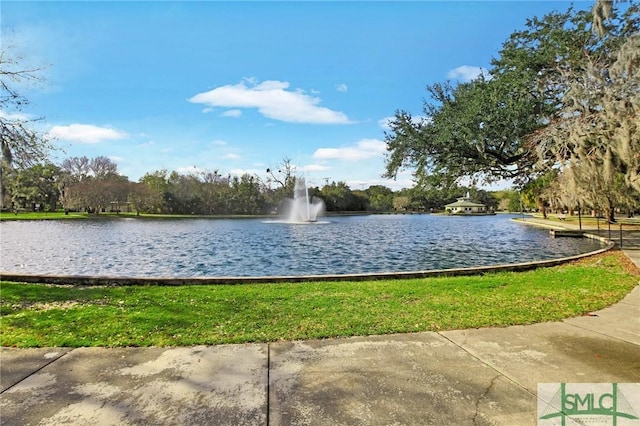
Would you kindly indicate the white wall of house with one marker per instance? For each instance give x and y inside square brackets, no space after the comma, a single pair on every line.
[468,210]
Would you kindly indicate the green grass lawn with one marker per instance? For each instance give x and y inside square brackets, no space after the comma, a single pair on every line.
[35,315]
[589,221]
[6,216]
[57,215]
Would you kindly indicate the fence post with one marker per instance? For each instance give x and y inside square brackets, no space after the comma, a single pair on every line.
[620,236]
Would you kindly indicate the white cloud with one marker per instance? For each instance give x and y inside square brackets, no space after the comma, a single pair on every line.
[395,185]
[85,133]
[219,142]
[14,116]
[273,100]
[465,73]
[242,172]
[366,148]
[231,156]
[190,170]
[384,123]
[235,113]
[313,168]
[342,88]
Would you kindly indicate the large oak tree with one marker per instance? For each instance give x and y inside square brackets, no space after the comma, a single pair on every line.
[560,93]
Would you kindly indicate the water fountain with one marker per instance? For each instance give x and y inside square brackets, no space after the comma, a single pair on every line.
[301,209]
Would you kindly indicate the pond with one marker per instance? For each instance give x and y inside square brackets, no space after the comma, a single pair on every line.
[258,247]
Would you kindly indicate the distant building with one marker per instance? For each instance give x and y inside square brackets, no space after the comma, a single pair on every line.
[464,206]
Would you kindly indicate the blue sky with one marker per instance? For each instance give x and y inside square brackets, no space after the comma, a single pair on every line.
[239,86]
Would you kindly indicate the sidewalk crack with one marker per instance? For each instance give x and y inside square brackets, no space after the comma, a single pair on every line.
[490,365]
[36,371]
[268,381]
[481,397]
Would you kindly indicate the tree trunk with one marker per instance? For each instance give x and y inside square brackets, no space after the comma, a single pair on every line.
[610,214]
[610,211]
[542,207]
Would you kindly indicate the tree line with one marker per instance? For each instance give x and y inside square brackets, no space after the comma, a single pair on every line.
[95,185]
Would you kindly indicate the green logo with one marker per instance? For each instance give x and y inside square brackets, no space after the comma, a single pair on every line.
[588,403]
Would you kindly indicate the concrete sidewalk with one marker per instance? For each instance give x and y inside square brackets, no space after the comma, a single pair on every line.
[465,377]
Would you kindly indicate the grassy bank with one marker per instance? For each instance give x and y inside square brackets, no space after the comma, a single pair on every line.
[590,221]
[60,215]
[40,315]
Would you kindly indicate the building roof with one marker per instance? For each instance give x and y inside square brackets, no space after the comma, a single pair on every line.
[465,202]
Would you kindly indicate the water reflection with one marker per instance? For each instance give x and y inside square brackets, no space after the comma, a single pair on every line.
[251,247]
